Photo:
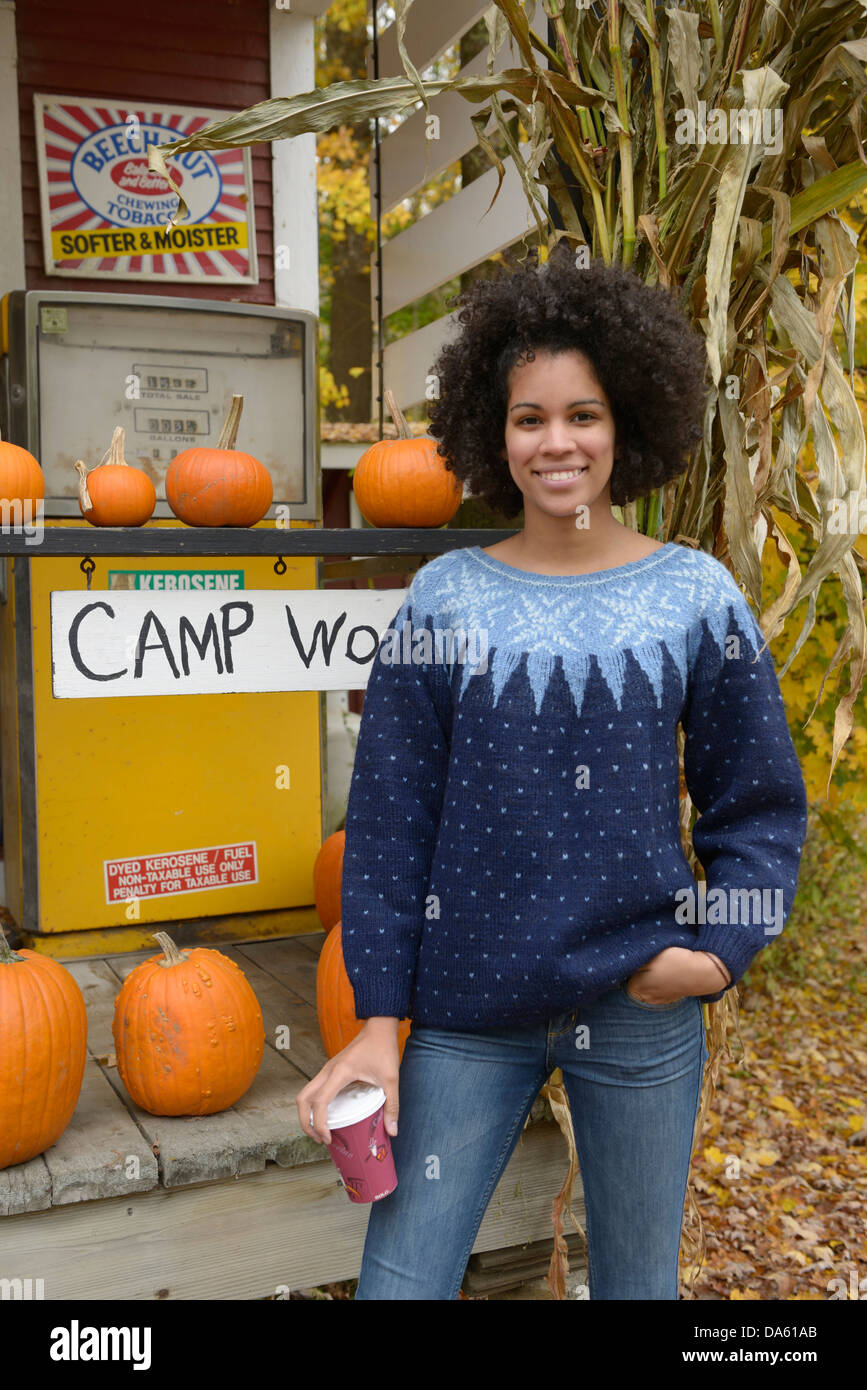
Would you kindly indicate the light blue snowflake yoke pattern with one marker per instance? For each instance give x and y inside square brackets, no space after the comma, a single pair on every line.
[513,843]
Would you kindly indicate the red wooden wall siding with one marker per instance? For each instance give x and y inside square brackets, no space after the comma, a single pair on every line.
[212,53]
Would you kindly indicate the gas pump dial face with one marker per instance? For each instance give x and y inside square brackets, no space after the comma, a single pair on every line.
[168,376]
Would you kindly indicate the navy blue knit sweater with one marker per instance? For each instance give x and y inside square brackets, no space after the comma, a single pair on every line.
[513,843]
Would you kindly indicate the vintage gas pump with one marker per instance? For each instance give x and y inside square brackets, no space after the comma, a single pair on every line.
[88,785]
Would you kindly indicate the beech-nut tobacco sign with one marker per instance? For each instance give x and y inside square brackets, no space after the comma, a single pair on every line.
[104,213]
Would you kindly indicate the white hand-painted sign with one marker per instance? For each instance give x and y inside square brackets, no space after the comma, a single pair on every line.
[121,643]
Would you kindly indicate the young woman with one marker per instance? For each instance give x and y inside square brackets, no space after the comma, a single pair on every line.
[514,879]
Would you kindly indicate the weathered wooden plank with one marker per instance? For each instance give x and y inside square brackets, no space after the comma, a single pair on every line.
[406,361]
[494,1271]
[430,30]
[263,1125]
[25,1187]
[312,941]
[270,1102]
[290,961]
[189,1148]
[99,985]
[291,1023]
[515,1256]
[101,1153]
[124,965]
[282,1228]
[269,1107]
[457,234]
[200,1148]
[408,159]
[283,1006]
[489,1282]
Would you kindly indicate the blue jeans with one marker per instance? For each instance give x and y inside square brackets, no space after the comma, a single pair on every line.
[633,1077]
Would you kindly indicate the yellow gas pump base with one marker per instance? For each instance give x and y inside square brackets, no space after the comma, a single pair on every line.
[251,926]
[122,815]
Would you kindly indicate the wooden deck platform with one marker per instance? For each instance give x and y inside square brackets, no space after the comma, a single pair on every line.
[239,1205]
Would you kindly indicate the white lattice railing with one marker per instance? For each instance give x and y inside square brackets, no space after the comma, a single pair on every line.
[458,233]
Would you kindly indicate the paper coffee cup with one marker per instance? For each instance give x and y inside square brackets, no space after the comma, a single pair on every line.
[360,1144]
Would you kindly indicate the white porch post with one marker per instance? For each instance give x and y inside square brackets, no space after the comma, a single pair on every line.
[293,168]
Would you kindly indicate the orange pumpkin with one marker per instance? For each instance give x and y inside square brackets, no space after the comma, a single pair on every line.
[404,481]
[219,486]
[328,879]
[43,1048]
[188,1032]
[335,999]
[113,493]
[21,479]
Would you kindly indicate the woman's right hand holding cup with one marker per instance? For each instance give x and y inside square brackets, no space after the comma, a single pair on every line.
[372,1056]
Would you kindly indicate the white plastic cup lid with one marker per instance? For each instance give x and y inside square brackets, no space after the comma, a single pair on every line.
[355,1102]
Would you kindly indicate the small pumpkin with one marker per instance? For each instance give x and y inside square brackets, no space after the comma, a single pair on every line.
[188,1031]
[328,879]
[43,1048]
[335,999]
[113,493]
[220,486]
[404,481]
[21,478]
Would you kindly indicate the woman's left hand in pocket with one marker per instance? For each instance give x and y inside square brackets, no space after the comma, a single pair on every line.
[673,974]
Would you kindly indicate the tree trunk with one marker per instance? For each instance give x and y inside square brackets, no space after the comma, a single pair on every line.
[351,342]
[351,337]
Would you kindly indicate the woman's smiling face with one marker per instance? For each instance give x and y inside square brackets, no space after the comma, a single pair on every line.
[559,421]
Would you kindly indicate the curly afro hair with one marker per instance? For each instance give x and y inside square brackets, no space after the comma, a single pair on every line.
[650,362]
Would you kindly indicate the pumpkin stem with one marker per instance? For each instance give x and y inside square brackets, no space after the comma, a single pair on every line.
[397,415]
[113,454]
[230,429]
[84,498]
[7,955]
[173,955]
[115,448]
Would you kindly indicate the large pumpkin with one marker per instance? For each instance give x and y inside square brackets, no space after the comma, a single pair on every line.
[219,486]
[328,879]
[21,479]
[404,481]
[335,1000]
[113,493]
[188,1032]
[43,1049]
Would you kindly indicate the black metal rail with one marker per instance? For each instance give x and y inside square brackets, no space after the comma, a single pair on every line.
[230,540]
